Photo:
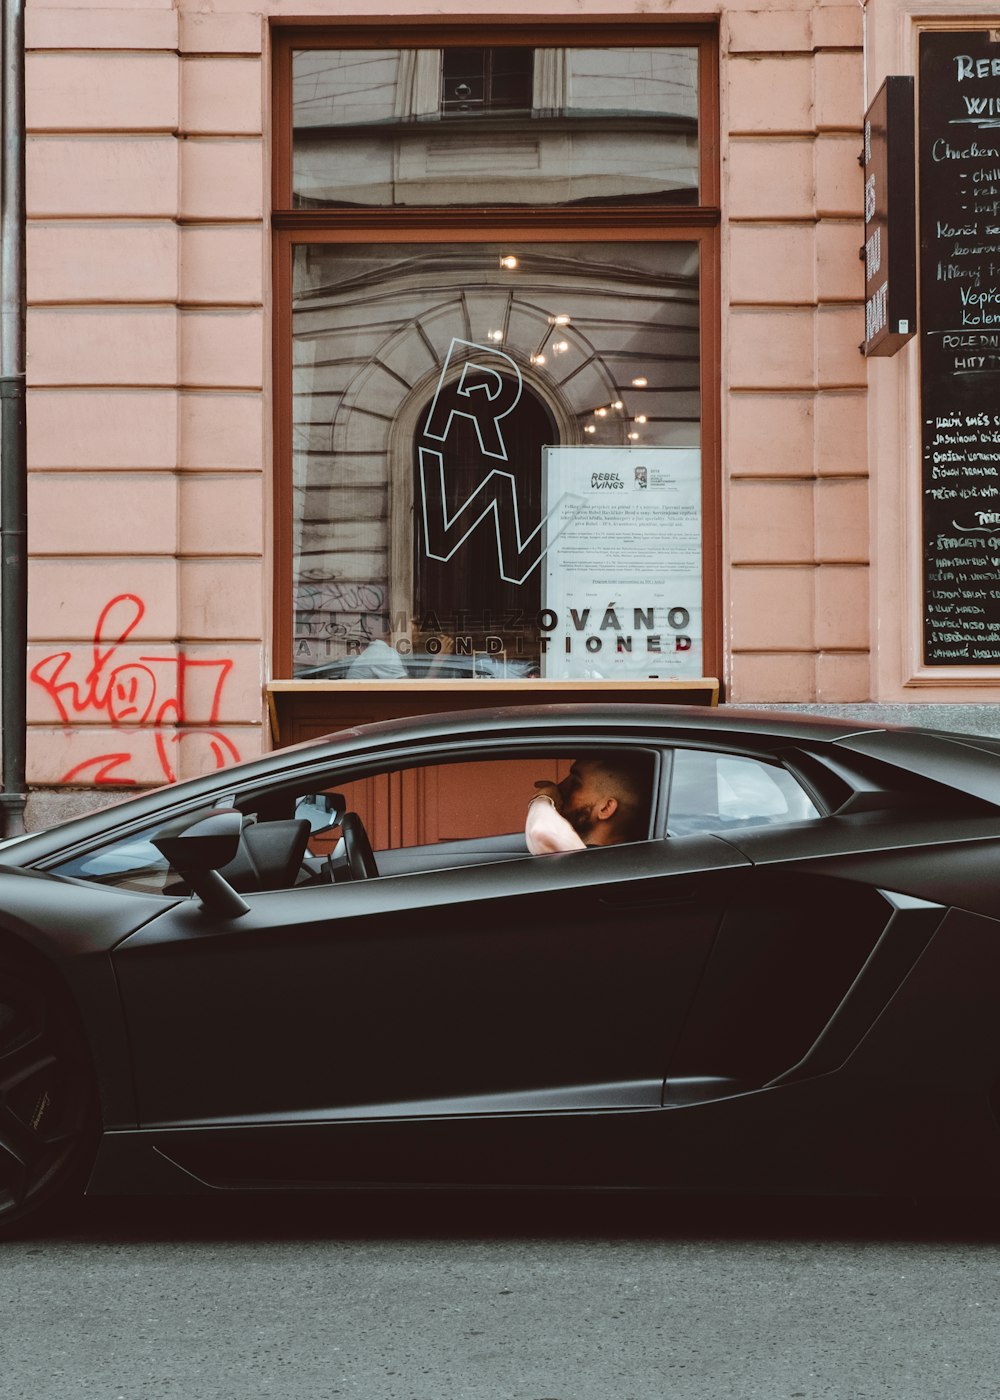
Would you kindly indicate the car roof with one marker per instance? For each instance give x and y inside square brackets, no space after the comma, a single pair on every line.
[606,715]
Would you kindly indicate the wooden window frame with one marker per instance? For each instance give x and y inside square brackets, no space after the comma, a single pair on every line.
[665,223]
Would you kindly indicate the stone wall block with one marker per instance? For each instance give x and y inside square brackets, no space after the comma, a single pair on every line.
[767,31]
[772,677]
[839,91]
[839,332]
[771,349]
[839,179]
[772,609]
[221,33]
[223,348]
[221,430]
[101,176]
[99,345]
[102,92]
[772,93]
[223,178]
[89,754]
[840,273]
[65,676]
[83,27]
[223,683]
[842,607]
[222,265]
[90,513]
[842,529]
[222,95]
[66,597]
[197,752]
[221,514]
[771,522]
[221,598]
[843,678]
[841,434]
[769,435]
[70,261]
[771,263]
[113,428]
[770,179]
[837,26]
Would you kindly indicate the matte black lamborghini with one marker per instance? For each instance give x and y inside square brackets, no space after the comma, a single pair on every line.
[338,967]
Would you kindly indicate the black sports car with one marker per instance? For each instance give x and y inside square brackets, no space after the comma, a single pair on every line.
[338,966]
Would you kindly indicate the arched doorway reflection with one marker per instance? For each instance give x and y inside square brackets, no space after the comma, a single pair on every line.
[465,600]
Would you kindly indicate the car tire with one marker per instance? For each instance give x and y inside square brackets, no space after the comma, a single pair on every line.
[48,1104]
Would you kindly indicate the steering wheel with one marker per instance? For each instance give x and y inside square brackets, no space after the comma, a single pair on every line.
[357,848]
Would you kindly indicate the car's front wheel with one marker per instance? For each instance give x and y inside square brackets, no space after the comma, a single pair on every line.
[48,1112]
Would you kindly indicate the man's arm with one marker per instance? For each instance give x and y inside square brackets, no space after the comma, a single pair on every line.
[546,831]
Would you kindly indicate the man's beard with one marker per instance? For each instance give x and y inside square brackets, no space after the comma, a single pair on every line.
[581,820]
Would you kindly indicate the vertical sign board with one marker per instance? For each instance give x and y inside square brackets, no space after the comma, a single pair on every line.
[890,219]
[959,131]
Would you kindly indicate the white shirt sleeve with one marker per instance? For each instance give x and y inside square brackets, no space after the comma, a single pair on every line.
[546,831]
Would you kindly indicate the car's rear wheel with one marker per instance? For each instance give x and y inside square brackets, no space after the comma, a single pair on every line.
[48,1110]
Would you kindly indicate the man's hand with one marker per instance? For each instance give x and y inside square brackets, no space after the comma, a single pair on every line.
[546,830]
[544,787]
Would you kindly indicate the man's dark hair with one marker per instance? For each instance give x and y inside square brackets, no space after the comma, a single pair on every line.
[631,779]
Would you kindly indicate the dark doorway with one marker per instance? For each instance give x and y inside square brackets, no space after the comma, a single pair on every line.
[466,600]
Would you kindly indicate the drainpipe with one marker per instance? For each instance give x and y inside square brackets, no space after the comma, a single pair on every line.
[13,438]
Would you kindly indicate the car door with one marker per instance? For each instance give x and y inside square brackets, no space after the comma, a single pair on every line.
[798,939]
[479,1023]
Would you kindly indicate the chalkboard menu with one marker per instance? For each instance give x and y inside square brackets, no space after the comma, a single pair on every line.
[959,149]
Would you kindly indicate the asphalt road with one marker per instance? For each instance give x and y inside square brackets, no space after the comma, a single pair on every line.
[505,1298]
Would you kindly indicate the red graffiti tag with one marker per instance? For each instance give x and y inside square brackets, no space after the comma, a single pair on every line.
[149,695]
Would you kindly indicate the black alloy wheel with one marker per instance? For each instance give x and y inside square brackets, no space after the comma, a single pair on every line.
[48,1116]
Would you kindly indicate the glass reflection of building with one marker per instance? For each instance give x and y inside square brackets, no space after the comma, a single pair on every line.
[599,335]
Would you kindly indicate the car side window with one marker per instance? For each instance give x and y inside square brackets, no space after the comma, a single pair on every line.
[431,816]
[719,792]
[132,863]
[276,860]
[475,809]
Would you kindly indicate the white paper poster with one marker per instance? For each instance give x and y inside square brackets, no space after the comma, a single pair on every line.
[621,593]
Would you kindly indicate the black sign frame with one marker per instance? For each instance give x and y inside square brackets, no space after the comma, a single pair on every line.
[890,250]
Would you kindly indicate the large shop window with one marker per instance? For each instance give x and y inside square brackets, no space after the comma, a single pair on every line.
[497,457]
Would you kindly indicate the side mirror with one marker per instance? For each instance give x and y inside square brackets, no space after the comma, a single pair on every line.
[198,847]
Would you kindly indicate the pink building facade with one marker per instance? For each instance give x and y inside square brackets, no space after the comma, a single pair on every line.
[199,461]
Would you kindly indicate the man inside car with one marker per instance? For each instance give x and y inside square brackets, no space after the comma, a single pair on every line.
[602,801]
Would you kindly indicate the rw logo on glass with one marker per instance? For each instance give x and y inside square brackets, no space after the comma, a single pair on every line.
[486,390]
